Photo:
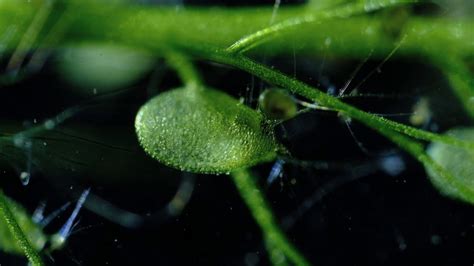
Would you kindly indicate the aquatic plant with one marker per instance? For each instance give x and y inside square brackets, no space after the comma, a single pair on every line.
[203,130]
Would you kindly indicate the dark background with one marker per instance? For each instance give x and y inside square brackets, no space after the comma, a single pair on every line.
[376,219]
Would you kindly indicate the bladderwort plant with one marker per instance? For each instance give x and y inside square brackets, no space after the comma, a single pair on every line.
[199,129]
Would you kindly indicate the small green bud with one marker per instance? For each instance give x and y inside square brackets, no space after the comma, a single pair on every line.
[277,104]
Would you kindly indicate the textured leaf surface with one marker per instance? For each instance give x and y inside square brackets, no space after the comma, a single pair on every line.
[31,230]
[203,131]
[459,162]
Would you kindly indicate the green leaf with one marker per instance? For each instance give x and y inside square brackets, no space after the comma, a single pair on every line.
[204,131]
[459,162]
[19,235]
[97,68]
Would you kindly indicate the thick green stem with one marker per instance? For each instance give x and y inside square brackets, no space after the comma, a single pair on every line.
[274,237]
[17,233]
[156,28]
[345,11]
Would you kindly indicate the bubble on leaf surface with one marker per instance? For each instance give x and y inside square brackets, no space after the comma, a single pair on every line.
[203,131]
[459,162]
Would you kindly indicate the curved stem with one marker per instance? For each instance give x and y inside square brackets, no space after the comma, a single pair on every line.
[275,239]
[252,40]
[185,69]
[17,233]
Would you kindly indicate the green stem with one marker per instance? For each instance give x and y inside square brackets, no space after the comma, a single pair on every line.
[185,69]
[275,255]
[279,79]
[31,34]
[157,28]
[252,40]
[274,237]
[17,233]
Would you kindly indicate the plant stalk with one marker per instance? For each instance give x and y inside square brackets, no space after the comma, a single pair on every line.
[275,239]
[7,215]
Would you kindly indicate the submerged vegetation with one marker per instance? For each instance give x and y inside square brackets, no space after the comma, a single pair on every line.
[194,123]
